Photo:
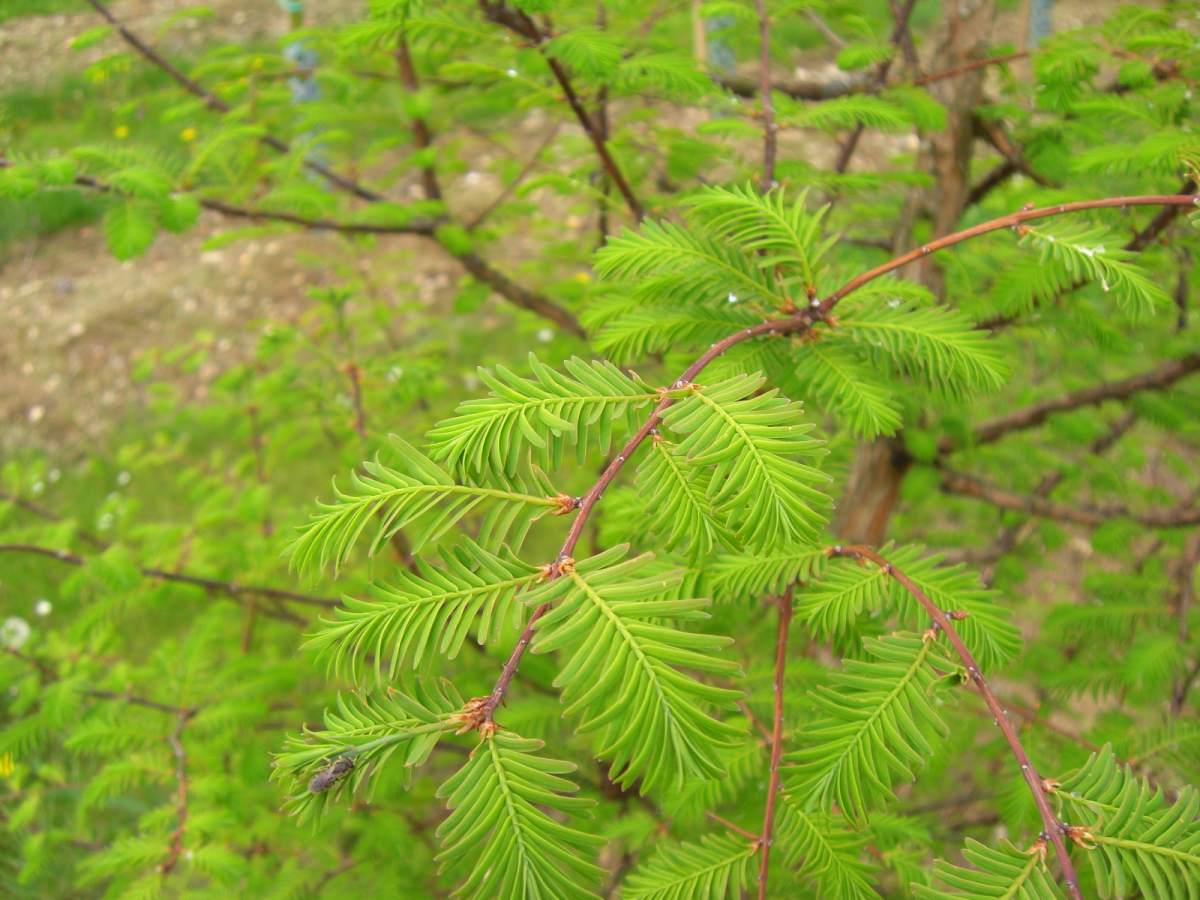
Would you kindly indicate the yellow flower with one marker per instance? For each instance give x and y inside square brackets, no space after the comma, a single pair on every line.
[6,764]
[583,277]
[188,134]
[121,132]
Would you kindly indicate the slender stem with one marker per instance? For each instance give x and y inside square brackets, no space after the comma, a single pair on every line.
[798,323]
[175,739]
[997,224]
[1184,515]
[520,23]
[216,103]
[1053,828]
[736,829]
[1032,416]
[226,587]
[881,75]
[770,129]
[781,646]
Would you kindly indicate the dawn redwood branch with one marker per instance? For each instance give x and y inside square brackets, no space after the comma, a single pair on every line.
[520,23]
[422,135]
[1137,243]
[828,90]
[1032,416]
[781,647]
[232,588]
[736,829]
[42,513]
[1054,829]
[881,74]
[175,739]
[972,66]
[1013,535]
[1182,607]
[1178,201]
[797,323]
[214,102]
[476,265]
[141,701]
[507,191]
[953,482]
[770,129]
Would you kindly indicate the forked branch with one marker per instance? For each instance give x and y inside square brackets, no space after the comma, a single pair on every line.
[798,323]
[1054,829]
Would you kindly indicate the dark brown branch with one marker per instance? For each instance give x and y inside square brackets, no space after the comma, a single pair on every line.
[781,647]
[1054,829]
[973,66]
[969,486]
[1185,597]
[1032,416]
[42,513]
[770,129]
[232,588]
[798,323]
[1010,537]
[217,104]
[518,22]
[508,189]
[881,75]
[141,701]
[474,263]
[828,90]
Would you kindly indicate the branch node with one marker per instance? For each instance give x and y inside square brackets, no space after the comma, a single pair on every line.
[1082,836]
[565,504]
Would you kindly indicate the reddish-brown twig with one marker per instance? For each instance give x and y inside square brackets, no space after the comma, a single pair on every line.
[770,129]
[1054,829]
[781,646]
[797,323]
[736,829]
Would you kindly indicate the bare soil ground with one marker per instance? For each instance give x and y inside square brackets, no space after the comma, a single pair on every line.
[73,319]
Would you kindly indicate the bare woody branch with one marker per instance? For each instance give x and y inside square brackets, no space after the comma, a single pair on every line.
[770,129]
[1013,535]
[781,649]
[520,23]
[798,323]
[471,261]
[175,739]
[881,75]
[217,104]
[1054,829]
[964,485]
[231,588]
[1157,379]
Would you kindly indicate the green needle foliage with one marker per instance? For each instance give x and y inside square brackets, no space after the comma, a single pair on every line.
[649,612]
[499,838]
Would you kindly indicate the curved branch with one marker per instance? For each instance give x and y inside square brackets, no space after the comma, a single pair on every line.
[969,486]
[1031,416]
[232,588]
[1054,829]
[798,323]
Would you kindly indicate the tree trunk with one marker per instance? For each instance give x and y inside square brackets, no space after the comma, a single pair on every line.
[880,465]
